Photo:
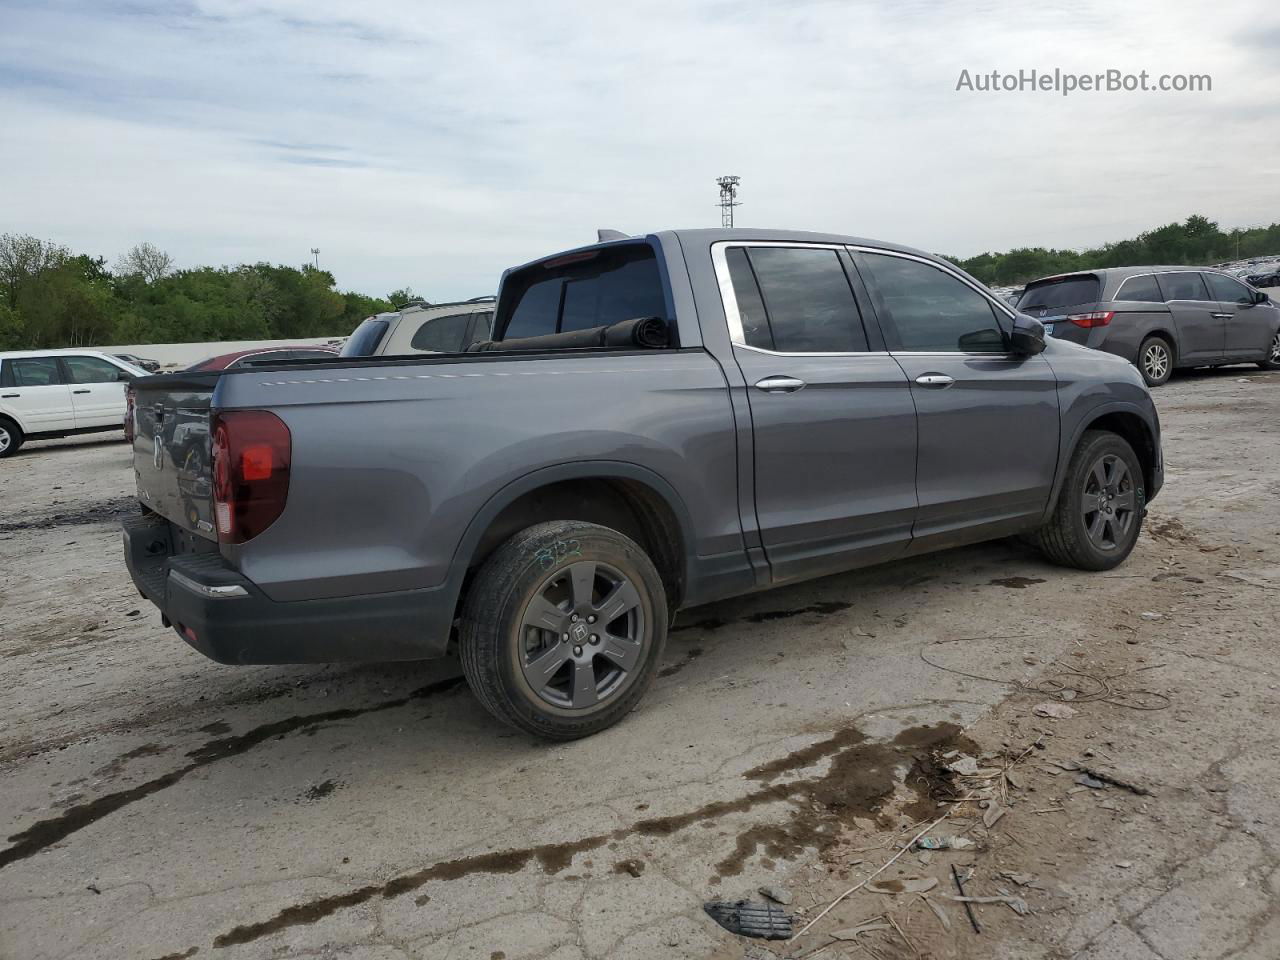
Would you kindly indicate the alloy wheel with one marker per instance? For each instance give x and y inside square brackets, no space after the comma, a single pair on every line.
[1155,361]
[582,636]
[1275,349]
[6,438]
[1108,502]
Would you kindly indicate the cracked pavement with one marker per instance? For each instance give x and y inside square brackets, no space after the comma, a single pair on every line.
[156,804]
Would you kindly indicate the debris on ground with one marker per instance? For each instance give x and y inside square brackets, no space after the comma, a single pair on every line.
[904,885]
[938,912]
[749,918]
[1021,879]
[866,926]
[968,906]
[776,894]
[944,843]
[1016,904]
[1091,782]
[992,811]
[1056,711]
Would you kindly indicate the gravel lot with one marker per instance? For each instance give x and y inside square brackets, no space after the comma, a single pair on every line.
[156,804]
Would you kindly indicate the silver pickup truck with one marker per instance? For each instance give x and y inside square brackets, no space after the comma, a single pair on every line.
[658,422]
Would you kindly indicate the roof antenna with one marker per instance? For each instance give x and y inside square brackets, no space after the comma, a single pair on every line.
[604,236]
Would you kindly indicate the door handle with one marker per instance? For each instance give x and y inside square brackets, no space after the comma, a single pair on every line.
[10,396]
[1223,316]
[81,391]
[779,384]
[936,380]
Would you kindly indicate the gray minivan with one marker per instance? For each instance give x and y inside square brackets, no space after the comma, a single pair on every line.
[1159,318]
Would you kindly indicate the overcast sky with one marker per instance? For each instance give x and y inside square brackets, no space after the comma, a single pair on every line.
[433,144]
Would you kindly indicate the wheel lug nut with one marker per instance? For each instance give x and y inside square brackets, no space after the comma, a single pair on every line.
[591,619]
[564,638]
[595,638]
[573,618]
[577,651]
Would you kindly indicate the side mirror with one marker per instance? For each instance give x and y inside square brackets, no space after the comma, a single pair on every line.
[1260,297]
[1027,338]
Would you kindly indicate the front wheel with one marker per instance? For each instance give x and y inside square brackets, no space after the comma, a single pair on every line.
[1155,360]
[10,437]
[563,628]
[1273,354]
[1098,516]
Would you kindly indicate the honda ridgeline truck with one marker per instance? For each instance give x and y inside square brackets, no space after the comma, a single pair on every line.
[658,422]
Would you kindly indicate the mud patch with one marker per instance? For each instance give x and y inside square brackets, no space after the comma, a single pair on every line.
[823,607]
[861,776]
[108,511]
[216,729]
[116,766]
[671,669]
[319,791]
[1017,583]
[45,833]
[630,868]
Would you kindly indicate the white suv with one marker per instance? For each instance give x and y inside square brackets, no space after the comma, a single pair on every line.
[56,393]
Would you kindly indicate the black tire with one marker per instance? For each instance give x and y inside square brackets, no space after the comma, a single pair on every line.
[1273,354]
[10,437]
[1071,538]
[1155,360]
[540,575]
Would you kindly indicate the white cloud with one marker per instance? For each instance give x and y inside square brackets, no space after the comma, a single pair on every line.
[435,144]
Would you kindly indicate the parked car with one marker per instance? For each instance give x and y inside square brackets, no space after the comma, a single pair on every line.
[57,393]
[259,355]
[1264,279]
[151,366]
[657,423]
[422,328]
[1160,318]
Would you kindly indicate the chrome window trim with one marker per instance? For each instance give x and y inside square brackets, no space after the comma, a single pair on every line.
[738,338]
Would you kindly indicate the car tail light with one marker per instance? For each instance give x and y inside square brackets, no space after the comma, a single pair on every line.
[129,413]
[1099,318]
[251,457]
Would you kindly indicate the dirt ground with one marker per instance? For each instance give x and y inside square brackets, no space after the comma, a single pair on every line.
[158,805]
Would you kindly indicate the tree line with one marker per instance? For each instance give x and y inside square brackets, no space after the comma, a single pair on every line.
[1197,241]
[52,297]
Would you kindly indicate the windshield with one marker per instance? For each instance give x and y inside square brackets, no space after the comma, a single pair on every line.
[364,342]
[1060,292]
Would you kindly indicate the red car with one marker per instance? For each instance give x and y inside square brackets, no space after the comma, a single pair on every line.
[245,358]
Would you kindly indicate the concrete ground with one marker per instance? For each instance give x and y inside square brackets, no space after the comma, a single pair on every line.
[156,804]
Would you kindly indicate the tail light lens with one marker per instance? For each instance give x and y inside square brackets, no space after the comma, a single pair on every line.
[129,413]
[251,457]
[1099,318]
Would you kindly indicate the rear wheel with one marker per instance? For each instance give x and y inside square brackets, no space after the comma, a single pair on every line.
[10,437]
[1098,516]
[1273,354]
[563,628]
[1155,360]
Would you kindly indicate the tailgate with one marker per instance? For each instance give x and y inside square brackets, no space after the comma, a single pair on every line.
[171,455]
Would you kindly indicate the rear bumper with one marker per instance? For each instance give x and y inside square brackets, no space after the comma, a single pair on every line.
[227,618]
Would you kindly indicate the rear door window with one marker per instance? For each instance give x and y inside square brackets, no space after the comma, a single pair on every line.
[1142,289]
[933,311]
[1227,290]
[442,334]
[93,370]
[36,372]
[1183,286]
[803,303]
[1054,294]
[580,291]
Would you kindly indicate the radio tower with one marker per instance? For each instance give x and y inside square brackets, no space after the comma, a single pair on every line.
[728,199]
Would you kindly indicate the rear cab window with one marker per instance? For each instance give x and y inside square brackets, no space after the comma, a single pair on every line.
[594,288]
[1055,295]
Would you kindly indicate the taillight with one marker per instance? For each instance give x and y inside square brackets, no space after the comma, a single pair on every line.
[251,455]
[129,413]
[1099,318]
